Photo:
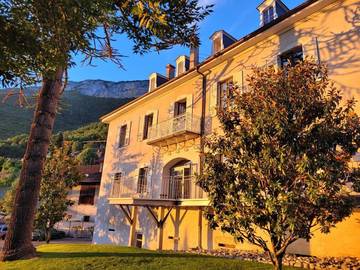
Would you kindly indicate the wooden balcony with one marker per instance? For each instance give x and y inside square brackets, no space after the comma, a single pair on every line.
[173,191]
[174,130]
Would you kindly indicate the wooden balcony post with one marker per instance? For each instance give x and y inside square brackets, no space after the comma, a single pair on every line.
[132,235]
[200,228]
[161,229]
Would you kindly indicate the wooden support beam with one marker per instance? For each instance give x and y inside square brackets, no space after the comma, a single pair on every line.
[166,216]
[200,228]
[127,213]
[153,215]
[159,222]
[132,233]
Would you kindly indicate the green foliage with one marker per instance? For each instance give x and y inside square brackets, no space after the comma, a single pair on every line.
[9,171]
[87,157]
[58,140]
[91,132]
[15,147]
[282,164]
[6,202]
[76,110]
[59,176]
[76,147]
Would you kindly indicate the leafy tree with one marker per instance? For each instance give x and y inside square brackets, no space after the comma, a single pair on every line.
[88,156]
[6,202]
[59,176]
[76,147]
[9,171]
[58,140]
[281,166]
[44,35]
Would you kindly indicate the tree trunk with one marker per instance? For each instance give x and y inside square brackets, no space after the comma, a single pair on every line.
[277,261]
[18,238]
[47,235]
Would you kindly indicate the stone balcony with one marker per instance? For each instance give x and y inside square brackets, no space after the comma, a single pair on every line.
[174,130]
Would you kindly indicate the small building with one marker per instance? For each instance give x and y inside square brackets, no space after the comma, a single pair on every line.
[80,217]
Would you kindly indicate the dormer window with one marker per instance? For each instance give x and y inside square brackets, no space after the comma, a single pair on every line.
[155,80]
[182,64]
[270,10]
[268,15]
[221,40]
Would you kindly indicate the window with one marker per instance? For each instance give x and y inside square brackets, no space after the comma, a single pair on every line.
[138,238]
[122,136]
[86,218]
[142,180]
[148,121]
[87,195]
[116,185]
[268,15]
[291,57]
[180,107]
[224,92]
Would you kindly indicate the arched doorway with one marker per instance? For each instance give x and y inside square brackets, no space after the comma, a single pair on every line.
[178,180]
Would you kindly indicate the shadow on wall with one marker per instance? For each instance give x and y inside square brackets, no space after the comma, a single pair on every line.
[338,49]
[111,225]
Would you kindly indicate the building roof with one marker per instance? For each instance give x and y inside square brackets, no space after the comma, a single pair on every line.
[279,1]
[232,46]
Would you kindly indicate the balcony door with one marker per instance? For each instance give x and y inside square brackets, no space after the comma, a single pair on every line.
[180,181]
[179,121]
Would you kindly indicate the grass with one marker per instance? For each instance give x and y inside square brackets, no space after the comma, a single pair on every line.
[106,257]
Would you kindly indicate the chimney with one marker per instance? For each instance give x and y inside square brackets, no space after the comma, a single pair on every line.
[170,71]
[194,57]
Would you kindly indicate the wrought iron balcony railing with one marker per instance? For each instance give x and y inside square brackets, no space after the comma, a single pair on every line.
[172,188]
[176,126]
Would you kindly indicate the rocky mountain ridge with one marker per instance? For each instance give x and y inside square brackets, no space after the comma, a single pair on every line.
[103,89]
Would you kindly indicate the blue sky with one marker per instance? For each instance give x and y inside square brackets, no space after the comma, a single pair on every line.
[237,17]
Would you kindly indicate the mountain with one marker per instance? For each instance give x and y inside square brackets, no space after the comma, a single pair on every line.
[100,88]
[82,103]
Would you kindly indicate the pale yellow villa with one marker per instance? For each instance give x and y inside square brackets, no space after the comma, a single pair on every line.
[148,196]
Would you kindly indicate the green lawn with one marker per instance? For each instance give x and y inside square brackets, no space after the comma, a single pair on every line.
[105,257]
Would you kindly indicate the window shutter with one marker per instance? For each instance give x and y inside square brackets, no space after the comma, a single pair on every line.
[148,180]
[311,49]
[238,79]
[189,104]
[155,119]
[171,110]
[117,143]
[140,128]
[213,98]
[273,61]
[128,132]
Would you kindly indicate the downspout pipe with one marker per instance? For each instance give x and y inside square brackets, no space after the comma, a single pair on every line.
[202,144]
[202,120]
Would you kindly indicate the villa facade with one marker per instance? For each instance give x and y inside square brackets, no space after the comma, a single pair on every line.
[148,196]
